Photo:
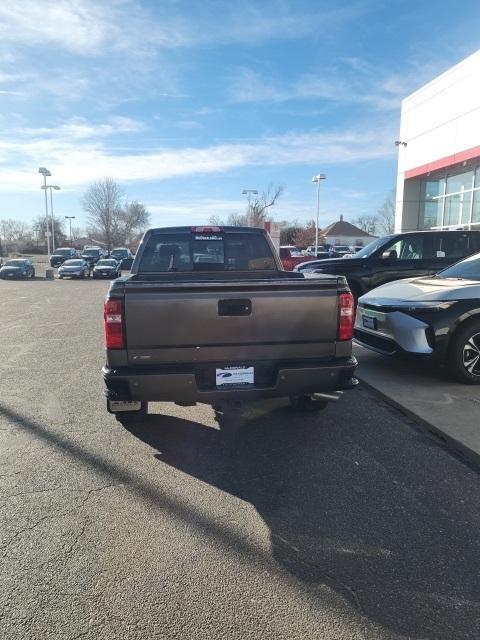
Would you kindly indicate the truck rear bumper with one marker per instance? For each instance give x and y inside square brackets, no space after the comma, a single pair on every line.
[192,383]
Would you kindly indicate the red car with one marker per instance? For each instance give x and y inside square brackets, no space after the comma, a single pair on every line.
[291,256]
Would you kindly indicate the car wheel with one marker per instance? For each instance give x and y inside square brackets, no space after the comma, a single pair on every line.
[464,354]
[305,402]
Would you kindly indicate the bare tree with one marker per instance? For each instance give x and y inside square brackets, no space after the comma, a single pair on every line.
[215,221]
[134,218]
[237,220]
[40,228]
[257,212]
[12,230]
[386,214]
[366,223]
[305,236]
[111,220]
[102,203]
[12,233]
[77,232]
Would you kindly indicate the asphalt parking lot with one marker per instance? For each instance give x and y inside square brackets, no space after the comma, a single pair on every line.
[254,523]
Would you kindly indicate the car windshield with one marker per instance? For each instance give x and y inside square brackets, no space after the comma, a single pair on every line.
[63,252]
[122,253]
[15,263]
[91,252]
[372,247]
[73,263]
[107,263]
[468,269]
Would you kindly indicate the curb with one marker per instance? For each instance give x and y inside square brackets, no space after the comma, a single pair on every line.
[455,447]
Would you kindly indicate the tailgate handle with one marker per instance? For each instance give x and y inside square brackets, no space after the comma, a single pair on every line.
[235,307]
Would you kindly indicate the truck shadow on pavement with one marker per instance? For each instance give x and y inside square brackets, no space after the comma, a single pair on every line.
[369,511]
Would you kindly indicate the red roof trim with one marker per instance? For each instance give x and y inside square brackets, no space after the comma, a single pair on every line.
[442,163]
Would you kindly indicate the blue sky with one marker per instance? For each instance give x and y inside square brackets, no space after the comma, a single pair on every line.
[188,103]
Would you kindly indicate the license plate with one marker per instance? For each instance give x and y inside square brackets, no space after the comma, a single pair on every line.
[369,323]
[234,376]
[117,405]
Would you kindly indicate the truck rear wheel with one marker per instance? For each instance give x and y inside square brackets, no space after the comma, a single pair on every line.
[305,402]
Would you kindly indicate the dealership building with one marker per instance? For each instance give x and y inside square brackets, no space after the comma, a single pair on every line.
[438,182]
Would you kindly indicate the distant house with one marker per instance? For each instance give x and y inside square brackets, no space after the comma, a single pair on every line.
[344,233]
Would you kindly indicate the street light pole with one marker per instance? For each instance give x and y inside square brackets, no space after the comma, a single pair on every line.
[70,218]
[57,188]
[249,193]
[317,179]
[52,220]
[45,173]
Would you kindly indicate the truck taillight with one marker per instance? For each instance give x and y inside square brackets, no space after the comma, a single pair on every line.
[346,316]
[113,324]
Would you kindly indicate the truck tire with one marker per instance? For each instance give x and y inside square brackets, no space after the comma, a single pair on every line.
[305,402]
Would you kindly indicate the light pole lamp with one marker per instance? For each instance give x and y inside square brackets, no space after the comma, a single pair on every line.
[70,218]
[249,193]
[57,188]
[45,173]
[318,178]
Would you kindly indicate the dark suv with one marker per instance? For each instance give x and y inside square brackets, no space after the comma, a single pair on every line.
[92,255]
[401,255]
[59,256]
[124,256]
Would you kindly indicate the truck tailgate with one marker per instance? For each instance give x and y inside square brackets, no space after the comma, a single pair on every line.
[230,321]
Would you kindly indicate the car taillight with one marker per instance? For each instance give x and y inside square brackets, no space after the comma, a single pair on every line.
[346,316]
[113,324]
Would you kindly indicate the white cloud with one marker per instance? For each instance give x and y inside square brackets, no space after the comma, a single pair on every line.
[375,88]
[77,155]
[78,25]
[87,27]
[198,210]
[80,128]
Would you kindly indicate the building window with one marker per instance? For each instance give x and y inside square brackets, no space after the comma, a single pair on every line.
[450,201]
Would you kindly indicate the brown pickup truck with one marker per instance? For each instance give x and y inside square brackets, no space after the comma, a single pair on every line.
[208,314]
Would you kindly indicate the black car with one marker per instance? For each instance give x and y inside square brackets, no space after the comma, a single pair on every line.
[124,256]
[435,317]
[107,268]
[59,256]
[17,268]
[401,255]
[92,255]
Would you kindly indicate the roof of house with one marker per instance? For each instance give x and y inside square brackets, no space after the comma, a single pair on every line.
[343,228]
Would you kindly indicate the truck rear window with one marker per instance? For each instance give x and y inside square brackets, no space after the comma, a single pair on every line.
[170,252]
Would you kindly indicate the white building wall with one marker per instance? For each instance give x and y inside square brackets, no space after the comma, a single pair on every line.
[439,120]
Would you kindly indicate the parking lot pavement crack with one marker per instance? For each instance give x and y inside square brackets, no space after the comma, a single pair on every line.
[77,537]
[33,526]
[59,488]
